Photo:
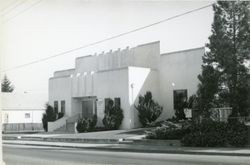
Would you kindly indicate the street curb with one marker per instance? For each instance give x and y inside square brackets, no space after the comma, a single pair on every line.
[71,140]
[121,149]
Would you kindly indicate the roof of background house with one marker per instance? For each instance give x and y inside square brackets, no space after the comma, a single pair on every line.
[23,101]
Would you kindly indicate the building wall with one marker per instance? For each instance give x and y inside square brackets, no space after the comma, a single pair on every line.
[137,56]
[60,89]
[86,64]
[146,55]
[82,84]
[178,70]
[141,80]
[18,116]
[22,111]
[112,84]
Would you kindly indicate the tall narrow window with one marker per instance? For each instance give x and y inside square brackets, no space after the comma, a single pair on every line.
[106,102]
[56,106]
[27,115]
[180,97]
[63,106]
[117,102]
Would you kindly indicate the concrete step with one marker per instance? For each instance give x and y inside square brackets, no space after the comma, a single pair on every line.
[70,127]
[61,129]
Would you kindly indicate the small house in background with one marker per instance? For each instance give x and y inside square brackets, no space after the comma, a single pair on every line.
[22,112]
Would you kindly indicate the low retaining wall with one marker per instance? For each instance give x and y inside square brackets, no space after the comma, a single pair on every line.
[52,126]
[22,127]
[176,143]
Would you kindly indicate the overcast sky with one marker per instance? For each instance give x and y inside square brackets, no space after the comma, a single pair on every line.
[35,29]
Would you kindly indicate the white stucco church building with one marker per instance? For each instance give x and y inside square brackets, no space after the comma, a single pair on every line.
[123,75]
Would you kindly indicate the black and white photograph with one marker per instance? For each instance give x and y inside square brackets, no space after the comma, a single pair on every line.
[124,82]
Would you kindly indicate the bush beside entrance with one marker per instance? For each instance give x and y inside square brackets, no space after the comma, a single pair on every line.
[113,115]
[50,115]
[86,124]
[148,110]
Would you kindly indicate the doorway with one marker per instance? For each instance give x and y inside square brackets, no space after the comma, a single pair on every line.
[88,108]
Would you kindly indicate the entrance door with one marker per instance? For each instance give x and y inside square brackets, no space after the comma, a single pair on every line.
[87,108]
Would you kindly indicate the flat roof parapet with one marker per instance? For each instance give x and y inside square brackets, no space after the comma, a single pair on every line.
[65,72]
[150,43]
[119,50]
[84,56]
[181,51]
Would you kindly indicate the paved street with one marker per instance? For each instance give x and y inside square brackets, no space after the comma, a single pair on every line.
[34,155]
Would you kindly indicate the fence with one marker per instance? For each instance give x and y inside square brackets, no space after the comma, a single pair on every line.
[220,114]
[22,127]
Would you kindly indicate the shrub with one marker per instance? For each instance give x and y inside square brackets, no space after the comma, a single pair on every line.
[156,124]
[148,109]
[113,116]
[237,134]
[86,124]
[49,116]
[203,139]
[60,115]
[207,133]
[168,131]
[210,133]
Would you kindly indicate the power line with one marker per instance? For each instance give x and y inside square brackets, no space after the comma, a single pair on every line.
[23,11]
[12,7]
[106,39]
[8,6]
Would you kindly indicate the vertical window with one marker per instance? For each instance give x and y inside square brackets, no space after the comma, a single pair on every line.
[56,106]
[63,106]
[6,118]
[118,102]
[106,102]
[27,115]
[180,97]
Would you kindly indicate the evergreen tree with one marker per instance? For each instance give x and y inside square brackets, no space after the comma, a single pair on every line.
[6,85]
[148,109]
[224,78]
[48,116]
[113,116]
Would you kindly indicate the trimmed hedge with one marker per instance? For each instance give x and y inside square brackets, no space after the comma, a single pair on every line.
[237,134]
[216,134]
[208,133]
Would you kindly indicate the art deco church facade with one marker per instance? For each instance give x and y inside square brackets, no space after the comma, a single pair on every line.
[123,75]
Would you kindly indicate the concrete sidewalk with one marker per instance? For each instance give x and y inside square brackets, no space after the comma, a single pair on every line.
[118,140]
[137,148]
[113,136]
